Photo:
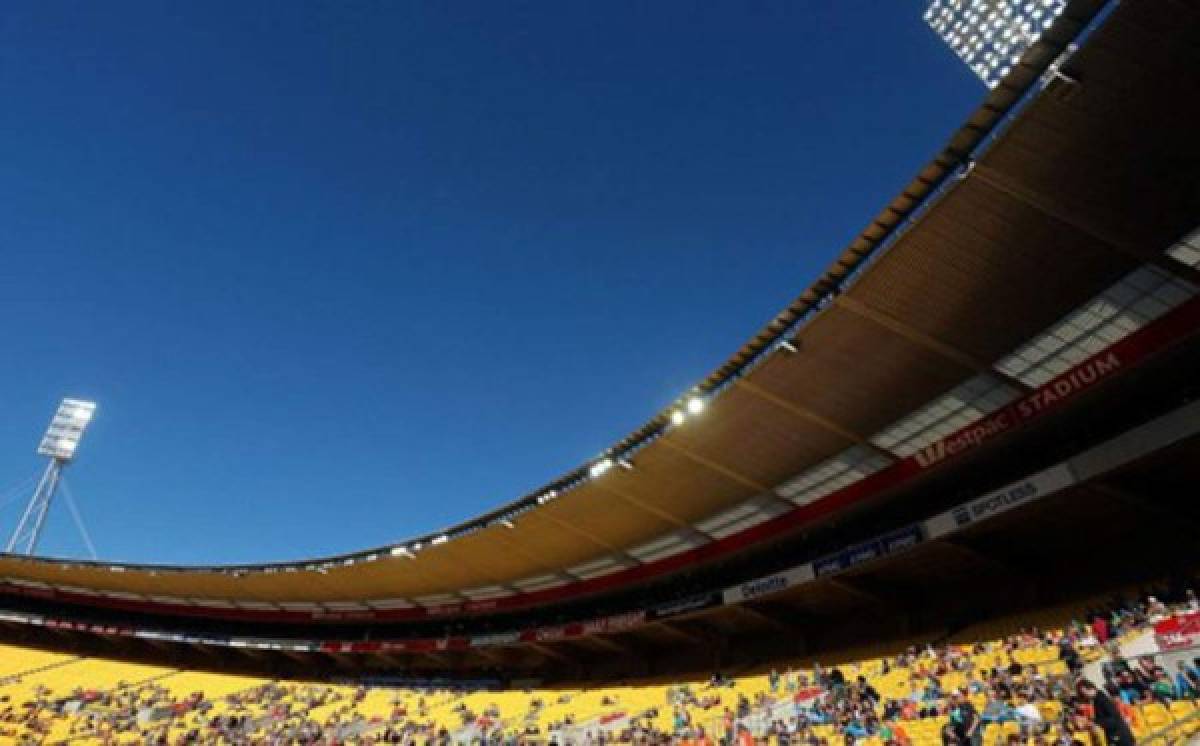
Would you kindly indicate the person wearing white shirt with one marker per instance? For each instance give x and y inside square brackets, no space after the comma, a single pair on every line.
[1028,716]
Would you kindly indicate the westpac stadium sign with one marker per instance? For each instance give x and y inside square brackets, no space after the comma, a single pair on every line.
[1046,397]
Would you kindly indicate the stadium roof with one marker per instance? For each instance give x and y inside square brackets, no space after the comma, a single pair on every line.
[1060,187]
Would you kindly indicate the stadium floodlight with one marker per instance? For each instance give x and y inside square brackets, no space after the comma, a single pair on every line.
[59,443]
[66,429]
[990,36]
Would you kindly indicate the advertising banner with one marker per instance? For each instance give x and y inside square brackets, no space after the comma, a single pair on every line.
[1006,498]
[857,554]
[765,586]
[685,606]
[501,638]
[1179,632]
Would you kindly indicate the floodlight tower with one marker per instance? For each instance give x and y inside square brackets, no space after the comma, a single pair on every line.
[990,36]
[59,444]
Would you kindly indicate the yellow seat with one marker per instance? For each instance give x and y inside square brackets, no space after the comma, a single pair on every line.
[1155,716]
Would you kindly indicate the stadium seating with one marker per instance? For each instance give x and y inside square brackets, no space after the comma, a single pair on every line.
[54,698]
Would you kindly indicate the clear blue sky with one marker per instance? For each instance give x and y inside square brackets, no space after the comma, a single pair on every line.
[341,272]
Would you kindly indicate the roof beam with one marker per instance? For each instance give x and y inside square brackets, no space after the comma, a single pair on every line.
[297,656]
[640,504]
[415,566]
[721,469]
[854,589]
[344,661]
[550,652]
[1176,514]
[390,659]
[546,568]
[706,627]
[158,645]
[925,341]
[676,631]
[437,658]
[961,547]
[810,416]
[1005,558]
[607,644]
[1049,206]
[764,614]
[492,579]
[206,649]
[572,528]
[490,654]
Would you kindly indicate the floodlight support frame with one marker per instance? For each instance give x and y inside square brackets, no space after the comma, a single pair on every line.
[25,538]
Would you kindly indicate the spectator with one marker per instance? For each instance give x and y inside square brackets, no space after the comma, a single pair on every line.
[1161,688]
[1028,716]
[866,691]
[1069,655]
[968,726]
[1130,687]
[893,733]
[1106,715]
[1193,674]
[1115,665]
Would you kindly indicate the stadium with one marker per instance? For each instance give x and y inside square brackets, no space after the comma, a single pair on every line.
[809,536]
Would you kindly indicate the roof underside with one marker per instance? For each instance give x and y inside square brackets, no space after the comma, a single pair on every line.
[1093,180]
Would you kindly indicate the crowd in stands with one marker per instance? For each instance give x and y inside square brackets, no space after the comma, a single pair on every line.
[1026,687]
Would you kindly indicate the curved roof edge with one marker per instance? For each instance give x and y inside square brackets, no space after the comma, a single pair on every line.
[972,139]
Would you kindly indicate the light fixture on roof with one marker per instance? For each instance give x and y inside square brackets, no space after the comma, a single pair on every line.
[546,497]
[625,464]
[59,443]
[402,552]
[440,540]
[507,523]
[789,345]
[695,405]
[677,417]
[600,467]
